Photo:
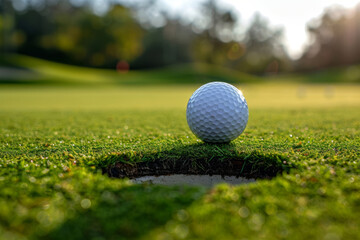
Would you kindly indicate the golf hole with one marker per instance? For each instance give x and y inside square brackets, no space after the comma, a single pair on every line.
[197,165]
[192,180]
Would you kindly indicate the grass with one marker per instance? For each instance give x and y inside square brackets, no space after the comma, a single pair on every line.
[346,74]
[30,70]
[44,72]
[56,141]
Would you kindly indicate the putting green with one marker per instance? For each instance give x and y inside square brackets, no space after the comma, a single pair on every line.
[55,143]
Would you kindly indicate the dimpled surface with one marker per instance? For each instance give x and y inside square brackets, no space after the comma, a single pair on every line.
[217,112]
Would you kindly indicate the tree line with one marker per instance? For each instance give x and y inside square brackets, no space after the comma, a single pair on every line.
[62,31]
[335,40]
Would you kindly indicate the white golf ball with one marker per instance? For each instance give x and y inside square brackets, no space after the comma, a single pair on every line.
[217,112]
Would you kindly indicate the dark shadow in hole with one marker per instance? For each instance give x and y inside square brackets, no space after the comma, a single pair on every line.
[200,158]
[128,213]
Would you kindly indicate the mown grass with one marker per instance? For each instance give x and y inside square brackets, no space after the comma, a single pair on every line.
[30,71]
[62,127]
[55,143]
[42,72]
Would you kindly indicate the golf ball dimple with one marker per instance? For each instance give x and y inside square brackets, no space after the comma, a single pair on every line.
[217,112]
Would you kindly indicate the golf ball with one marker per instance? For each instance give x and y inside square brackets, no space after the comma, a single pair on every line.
[217,112]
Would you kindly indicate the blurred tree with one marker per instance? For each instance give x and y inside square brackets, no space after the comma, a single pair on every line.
[167,45]
[335,40]
[96,40]
[264,51]
[58,30]
[215,40]
[10,38]
[260,51]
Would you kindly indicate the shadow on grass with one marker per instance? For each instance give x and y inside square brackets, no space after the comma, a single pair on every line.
[129,213]
[200,158]
[132,212]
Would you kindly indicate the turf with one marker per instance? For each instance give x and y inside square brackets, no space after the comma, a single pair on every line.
[56,143]
[36,71]
[42,72]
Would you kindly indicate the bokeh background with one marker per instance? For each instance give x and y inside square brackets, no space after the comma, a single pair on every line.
[257,37]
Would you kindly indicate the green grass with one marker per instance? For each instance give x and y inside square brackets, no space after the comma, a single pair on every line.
[346,74]
[55,143]
[44,72]
[63,127]
[30,71]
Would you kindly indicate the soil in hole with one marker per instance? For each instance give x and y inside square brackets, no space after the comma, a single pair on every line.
[193,180]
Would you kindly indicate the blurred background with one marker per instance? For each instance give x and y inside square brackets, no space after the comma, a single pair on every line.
[258,37]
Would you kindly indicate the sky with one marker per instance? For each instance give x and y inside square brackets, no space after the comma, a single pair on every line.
[292,16]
